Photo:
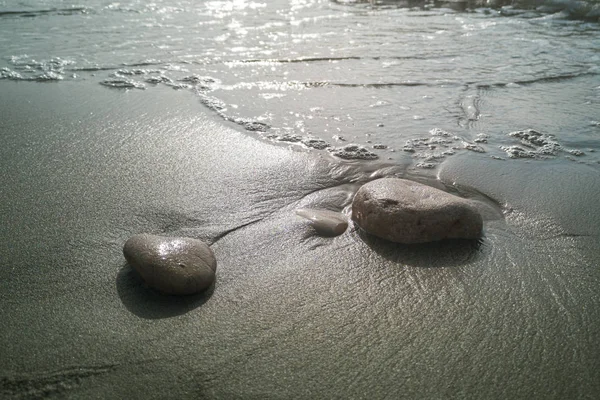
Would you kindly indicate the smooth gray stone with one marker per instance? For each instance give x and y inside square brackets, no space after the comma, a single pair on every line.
[325,222]
[404,211]
[172,265]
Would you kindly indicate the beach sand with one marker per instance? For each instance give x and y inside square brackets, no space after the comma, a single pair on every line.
[292,314]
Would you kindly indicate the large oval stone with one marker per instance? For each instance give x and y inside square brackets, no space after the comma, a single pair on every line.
[172,265]
[404,211]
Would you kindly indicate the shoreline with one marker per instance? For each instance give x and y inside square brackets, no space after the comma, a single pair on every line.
[292,315]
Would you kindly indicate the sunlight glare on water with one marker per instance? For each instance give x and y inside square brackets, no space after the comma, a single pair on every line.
[370,80]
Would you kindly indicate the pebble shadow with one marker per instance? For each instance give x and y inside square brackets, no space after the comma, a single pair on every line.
[150,304]
[440,254]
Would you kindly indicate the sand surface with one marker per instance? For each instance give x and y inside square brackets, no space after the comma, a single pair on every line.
[292,314]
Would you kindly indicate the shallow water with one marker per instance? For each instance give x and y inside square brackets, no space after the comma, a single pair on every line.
[362,80]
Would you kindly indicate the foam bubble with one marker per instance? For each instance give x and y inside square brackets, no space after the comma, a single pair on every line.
[534,145]
[159,79]
[481,138]
[473,147]
[439,132]
[6,73]
[253,126]
[206,81]
[577,153]
[518,152]
[426,165]
[135,71]
[122,84]
[213,103]
[288,137]
[52,69]
[315,143]
[47,76]
[353,152]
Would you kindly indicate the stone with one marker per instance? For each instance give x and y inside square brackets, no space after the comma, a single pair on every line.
[325,222]
[404,211]
[172,265]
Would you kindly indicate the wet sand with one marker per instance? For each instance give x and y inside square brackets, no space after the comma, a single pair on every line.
[292,314]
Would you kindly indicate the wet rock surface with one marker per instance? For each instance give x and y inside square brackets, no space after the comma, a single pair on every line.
[172,265]
[325,222]
[404,211]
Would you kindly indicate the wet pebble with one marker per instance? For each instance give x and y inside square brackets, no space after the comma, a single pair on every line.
[404,211]
[325,222]
[172,265]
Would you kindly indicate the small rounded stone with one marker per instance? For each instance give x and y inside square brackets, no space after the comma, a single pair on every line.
[172,265]
[325,222]
[404,211]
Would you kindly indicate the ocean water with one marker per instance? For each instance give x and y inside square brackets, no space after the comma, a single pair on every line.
[407,82]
